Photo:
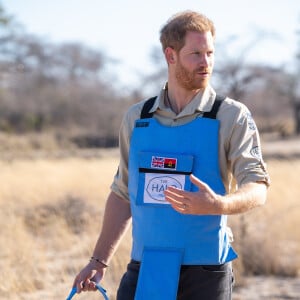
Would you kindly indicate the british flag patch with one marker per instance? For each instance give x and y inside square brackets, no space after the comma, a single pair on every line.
[163,163]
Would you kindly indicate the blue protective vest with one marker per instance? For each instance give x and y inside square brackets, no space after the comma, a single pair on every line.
[160,156]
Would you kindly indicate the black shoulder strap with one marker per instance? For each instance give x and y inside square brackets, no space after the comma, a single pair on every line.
[145,113]
[213,113]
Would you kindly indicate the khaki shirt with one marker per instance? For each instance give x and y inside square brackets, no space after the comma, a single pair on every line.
[240,157]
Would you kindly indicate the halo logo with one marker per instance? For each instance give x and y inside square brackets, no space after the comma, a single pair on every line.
[157,185]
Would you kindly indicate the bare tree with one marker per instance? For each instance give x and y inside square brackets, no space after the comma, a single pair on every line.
[63,88]
[153,82]
[235,73]
[296,88]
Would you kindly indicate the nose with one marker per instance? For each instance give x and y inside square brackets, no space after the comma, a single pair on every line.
[204,60]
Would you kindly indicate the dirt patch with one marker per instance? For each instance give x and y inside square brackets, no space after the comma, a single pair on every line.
[263,287]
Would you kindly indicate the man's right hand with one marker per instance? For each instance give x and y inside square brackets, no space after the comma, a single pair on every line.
[87,278]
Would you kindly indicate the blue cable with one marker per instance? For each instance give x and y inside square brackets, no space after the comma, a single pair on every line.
[98,286]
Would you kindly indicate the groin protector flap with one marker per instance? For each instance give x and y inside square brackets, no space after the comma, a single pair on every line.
[159,274]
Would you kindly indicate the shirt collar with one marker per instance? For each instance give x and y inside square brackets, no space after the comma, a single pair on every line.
[202,102]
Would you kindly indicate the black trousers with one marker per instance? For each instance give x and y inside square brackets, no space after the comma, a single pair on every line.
[207,282]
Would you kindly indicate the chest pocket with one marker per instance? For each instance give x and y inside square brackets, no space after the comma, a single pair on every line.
[158,171]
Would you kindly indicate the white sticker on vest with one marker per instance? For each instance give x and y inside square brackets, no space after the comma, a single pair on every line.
[156,184]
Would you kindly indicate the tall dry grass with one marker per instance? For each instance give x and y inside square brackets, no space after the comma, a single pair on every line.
[268,238]
[50,217]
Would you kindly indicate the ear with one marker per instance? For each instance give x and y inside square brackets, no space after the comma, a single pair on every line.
[170,55]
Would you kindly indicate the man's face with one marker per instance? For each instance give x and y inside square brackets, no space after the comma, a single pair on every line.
[195,61]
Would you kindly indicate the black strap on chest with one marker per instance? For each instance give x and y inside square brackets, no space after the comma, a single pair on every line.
[145,113]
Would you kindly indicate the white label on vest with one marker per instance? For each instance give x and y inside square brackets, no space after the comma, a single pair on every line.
[156,184]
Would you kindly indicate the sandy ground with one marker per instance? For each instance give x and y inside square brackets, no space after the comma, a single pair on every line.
[268,288]
[255,288]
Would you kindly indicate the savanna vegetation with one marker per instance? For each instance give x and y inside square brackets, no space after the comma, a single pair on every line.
[60,110]
[51,212]
[68,90]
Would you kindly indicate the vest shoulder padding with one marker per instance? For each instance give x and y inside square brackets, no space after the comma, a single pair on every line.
[213,113]
[145,113]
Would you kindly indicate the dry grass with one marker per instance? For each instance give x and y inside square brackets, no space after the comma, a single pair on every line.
[268,238]
[50,216]
[51,213]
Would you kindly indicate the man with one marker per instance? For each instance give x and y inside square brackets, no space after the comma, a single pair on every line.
[179,155]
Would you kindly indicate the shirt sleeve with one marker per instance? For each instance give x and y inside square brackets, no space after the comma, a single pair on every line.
[244,150]
[120,182]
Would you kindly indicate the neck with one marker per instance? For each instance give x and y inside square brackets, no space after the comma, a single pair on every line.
[178,98]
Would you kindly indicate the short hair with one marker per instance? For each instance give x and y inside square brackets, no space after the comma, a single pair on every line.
[174,31]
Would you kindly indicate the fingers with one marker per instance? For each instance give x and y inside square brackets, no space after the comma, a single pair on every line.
[87,285]
[172,195]
[175,196]
[177,200]
[85,281]
[175,192]
[186,201]
[196,181]
[87,278]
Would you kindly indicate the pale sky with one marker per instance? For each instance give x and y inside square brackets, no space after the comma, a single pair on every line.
[127,30]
